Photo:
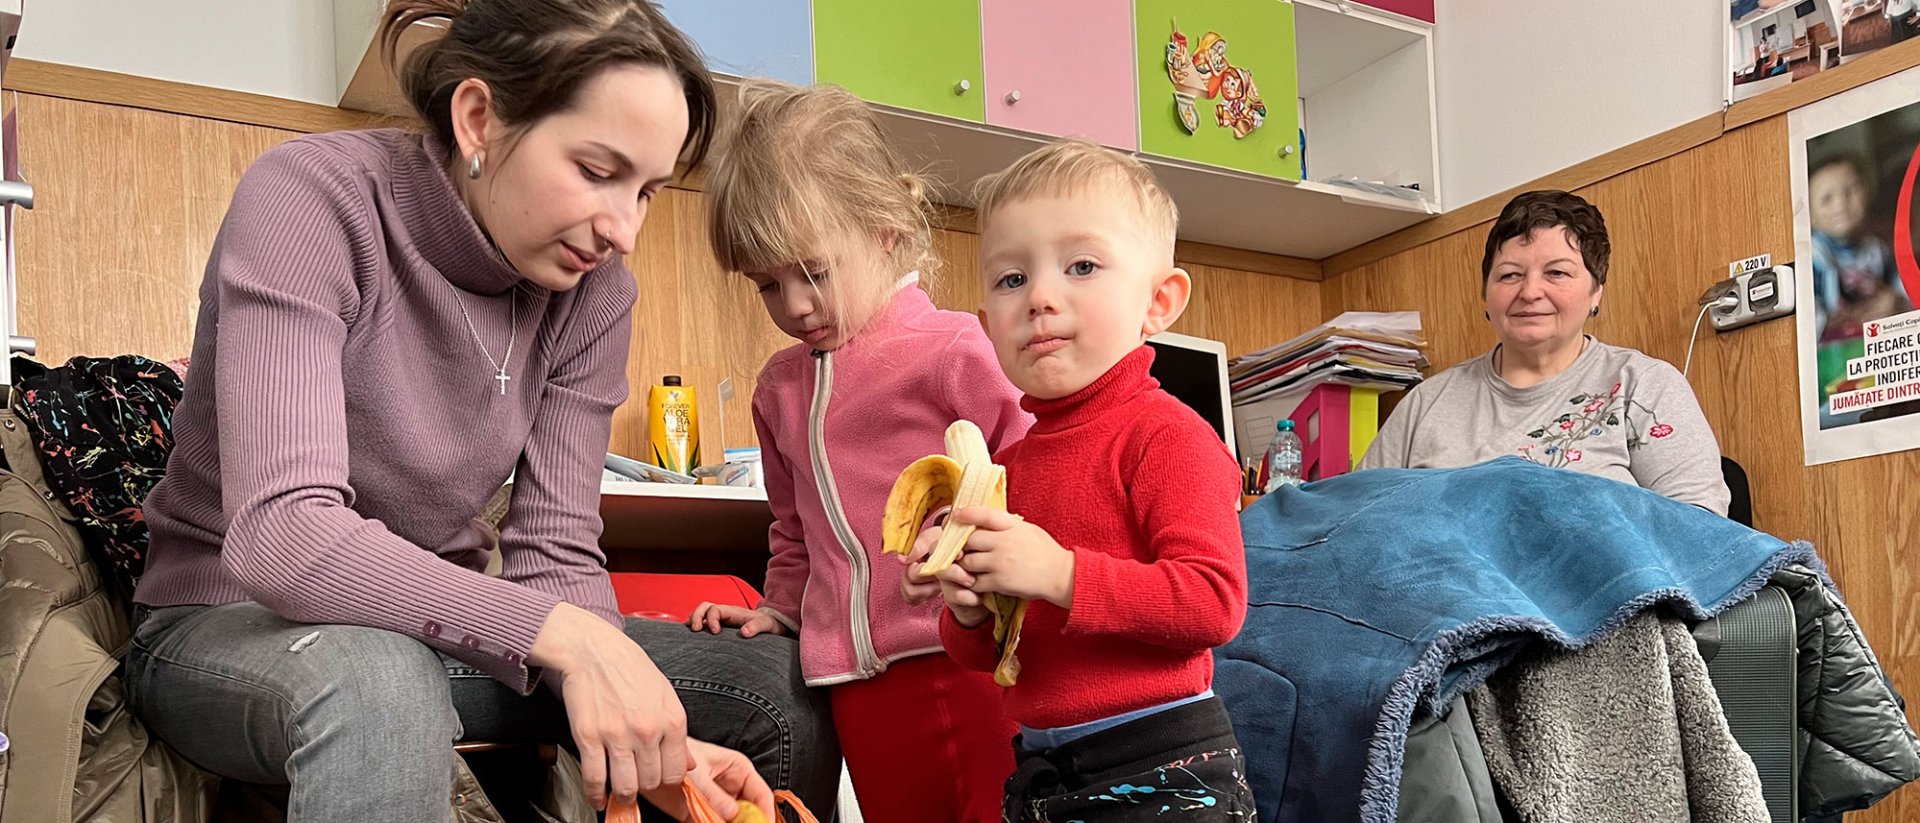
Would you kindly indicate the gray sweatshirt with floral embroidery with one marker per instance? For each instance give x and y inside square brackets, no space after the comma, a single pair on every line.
[1615,412]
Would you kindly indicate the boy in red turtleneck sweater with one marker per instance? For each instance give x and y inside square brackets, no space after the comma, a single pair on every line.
[1121,526]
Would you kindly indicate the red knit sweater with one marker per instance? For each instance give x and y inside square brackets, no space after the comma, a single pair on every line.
[1143,493]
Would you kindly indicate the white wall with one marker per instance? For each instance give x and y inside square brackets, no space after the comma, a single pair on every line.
[1526,88]
[282,48]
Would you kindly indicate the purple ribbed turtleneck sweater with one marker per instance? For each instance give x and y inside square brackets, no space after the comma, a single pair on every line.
[342,427]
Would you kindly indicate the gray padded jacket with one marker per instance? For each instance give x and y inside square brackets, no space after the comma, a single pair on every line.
[1856,743]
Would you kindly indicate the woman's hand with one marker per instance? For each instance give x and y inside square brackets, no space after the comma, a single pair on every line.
[713,616]
[724,777]
[627,722]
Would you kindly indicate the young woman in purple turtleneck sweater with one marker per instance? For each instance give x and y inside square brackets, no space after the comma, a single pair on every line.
[392,324]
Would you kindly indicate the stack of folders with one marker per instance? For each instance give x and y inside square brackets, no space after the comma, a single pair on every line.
[1374,350]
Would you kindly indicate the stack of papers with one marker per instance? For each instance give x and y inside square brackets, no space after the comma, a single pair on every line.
[1378,350]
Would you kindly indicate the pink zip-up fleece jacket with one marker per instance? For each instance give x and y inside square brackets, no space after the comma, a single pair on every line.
[836,429]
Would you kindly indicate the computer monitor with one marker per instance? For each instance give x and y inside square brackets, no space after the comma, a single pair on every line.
[1194,371]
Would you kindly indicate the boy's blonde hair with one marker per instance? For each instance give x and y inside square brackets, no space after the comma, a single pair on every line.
[806,169]
[1073,167]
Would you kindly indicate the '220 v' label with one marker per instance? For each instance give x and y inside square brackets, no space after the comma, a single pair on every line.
[1750,265]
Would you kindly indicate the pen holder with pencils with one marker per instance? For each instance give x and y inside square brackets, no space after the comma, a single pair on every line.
[1336,424]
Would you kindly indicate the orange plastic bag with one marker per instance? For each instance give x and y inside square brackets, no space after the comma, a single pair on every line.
[703,812]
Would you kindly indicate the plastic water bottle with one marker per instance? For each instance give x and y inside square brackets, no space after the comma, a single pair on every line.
[1283,457]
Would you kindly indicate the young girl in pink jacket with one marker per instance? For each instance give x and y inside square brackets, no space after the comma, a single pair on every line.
[810,204]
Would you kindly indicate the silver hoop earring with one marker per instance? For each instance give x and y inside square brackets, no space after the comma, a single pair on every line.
[473,167]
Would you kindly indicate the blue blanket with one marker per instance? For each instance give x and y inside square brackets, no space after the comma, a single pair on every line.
[1375,592]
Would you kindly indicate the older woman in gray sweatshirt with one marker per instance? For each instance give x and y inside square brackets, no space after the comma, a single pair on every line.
[1549,392]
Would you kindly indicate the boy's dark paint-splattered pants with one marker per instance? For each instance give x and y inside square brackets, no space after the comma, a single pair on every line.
[1181,764]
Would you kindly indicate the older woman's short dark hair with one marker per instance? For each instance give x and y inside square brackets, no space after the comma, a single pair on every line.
[1536,210]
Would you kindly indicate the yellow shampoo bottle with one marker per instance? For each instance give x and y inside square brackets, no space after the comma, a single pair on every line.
[673,425]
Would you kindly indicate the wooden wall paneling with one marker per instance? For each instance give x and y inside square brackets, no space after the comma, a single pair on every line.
[132,91]
[1865,508]
[1681,222]
[1441,280]
[1206,254]
[693,320]
[1248,311]
[1588,172]
[1333,295]
[956,284]
[127,203]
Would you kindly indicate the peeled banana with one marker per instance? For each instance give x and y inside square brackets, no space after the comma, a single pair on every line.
[965,476]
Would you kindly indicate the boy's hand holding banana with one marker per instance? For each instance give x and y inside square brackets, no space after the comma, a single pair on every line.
[1007,560]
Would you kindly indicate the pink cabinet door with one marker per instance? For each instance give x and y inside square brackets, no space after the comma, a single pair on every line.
[1061,67]
[1416,9]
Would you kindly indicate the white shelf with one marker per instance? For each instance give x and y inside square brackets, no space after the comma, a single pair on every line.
[1368,198]
[681,491]
[1367,99]
[1333,44]
[1219,206]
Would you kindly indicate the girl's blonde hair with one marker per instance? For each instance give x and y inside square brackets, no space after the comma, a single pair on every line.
[808,169]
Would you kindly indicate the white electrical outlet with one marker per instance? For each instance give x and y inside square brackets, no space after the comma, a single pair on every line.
[1763,294]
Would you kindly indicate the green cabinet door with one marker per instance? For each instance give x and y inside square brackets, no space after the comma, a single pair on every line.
[915,55]
[1234,102]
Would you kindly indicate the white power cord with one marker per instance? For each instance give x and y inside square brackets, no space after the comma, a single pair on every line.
[1725,301]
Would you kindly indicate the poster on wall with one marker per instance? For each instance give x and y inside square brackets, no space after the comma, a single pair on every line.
[1871,25]
[1775,42]
[1854,160]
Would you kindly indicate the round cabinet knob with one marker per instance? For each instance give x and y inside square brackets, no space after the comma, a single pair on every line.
[1287,150]
[1013,97]
[962,87]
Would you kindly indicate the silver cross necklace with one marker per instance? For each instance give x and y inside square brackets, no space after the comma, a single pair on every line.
[513,321]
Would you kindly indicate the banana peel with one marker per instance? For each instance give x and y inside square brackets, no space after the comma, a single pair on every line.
[964,476]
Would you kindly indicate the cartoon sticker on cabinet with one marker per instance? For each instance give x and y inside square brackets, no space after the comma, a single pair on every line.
[1240,107]
[1186,82]
[1205,73]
